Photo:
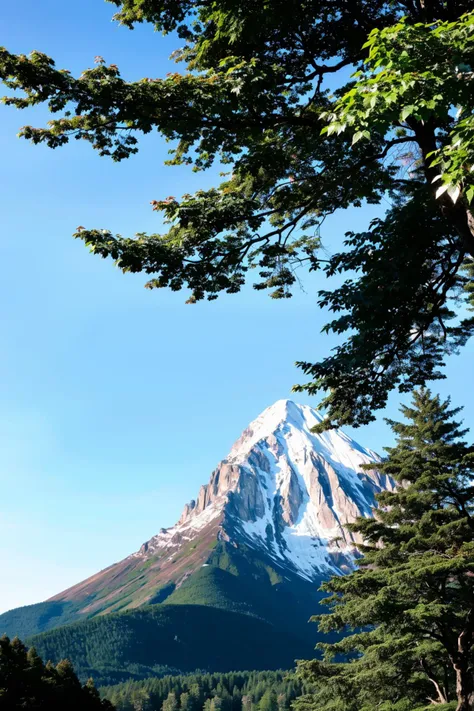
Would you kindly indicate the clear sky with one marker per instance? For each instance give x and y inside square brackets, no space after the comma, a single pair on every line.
[115,402]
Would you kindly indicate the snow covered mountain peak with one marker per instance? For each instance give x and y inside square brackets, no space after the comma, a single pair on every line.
[278,504]
[286,492]
[273,418]
[286,419]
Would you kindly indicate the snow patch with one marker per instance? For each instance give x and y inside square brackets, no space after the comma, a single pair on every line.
[310,484]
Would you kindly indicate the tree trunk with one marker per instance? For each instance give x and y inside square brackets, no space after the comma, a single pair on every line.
[458,214]
[464,684]
[462,666]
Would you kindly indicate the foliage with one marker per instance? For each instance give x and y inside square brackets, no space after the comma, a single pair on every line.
[273,606]
[236,580]
[160,639]
[27,683]
[33,619]
[416,74]
[408,610]
[254,96]
[233,691]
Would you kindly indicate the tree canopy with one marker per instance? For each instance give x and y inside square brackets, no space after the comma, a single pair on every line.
[27,683]
[408,610]
[230,691]
[254,96]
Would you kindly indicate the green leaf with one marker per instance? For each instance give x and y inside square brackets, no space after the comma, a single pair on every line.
[406,112]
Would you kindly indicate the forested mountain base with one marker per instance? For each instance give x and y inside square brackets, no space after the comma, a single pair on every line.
[237,612]
[29,620]
[258,539]
[163,638]
[234,691]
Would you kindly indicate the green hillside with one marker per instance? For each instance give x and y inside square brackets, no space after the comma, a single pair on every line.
[238,610]
[235,579]
[32,619]
[159,638]
[242,581]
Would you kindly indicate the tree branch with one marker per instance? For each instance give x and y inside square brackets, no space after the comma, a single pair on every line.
[442,697]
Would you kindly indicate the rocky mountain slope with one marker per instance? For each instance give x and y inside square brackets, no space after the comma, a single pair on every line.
[282,490]
[258,539]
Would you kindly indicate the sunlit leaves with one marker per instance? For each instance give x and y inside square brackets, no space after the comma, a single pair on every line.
[414,74]
[251,96]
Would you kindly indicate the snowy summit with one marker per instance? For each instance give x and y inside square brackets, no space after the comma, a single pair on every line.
[287,492]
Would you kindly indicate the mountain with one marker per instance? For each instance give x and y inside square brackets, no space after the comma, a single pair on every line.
[257,541]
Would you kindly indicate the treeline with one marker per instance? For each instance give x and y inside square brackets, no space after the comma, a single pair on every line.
[26,682]
[232,691]
[162,639]
[24,622]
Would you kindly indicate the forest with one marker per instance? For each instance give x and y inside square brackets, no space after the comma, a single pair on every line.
[26,682]
[234,691]
[162,639]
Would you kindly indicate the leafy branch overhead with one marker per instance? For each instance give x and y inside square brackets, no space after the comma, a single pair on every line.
[254,97]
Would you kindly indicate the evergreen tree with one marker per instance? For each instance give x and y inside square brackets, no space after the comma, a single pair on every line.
[186,702]
[282,702]
[265,90]
[409,607]
[170,703]
[196,696]
[269,701]
[26,683]
[238,691]
[141,701]
[216,703]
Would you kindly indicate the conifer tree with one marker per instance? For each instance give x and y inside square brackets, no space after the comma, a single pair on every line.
[170,703]
[186,702]
[27,683]
[408,610]
[269,701]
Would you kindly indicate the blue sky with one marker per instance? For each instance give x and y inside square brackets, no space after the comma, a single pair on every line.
[116,402]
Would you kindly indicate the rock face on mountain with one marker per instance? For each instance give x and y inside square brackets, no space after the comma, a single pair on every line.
[286,491]
[275,507]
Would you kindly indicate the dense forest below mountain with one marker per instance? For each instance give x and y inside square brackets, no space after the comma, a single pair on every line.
[29,620]
[234,691]
[161,639]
